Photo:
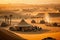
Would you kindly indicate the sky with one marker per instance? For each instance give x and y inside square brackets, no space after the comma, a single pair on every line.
[30,1]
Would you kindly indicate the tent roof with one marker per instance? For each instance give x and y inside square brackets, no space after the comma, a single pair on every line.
[24,23]
[54,14]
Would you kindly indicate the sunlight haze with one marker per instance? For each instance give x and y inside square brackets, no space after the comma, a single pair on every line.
[30,1]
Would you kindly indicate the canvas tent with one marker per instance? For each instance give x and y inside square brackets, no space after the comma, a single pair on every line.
[23,25]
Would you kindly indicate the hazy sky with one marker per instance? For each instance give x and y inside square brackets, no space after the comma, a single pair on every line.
[29,1]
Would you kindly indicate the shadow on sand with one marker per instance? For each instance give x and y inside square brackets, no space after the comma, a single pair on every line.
[33,32]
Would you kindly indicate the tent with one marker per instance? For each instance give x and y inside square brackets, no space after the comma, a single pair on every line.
[24,26]
[23,23]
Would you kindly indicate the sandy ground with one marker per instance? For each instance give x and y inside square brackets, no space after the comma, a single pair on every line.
[53,32]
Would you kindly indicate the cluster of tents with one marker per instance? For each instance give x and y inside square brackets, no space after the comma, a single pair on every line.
[47,24]
[41,21]
[53,24]
[24,26]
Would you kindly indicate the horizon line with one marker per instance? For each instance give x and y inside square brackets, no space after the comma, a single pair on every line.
[29,4]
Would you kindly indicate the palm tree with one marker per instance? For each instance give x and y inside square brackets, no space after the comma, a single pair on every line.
[10,18]
[5,18]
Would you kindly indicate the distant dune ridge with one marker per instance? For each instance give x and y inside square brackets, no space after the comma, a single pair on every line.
[27,5]
[26,9]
